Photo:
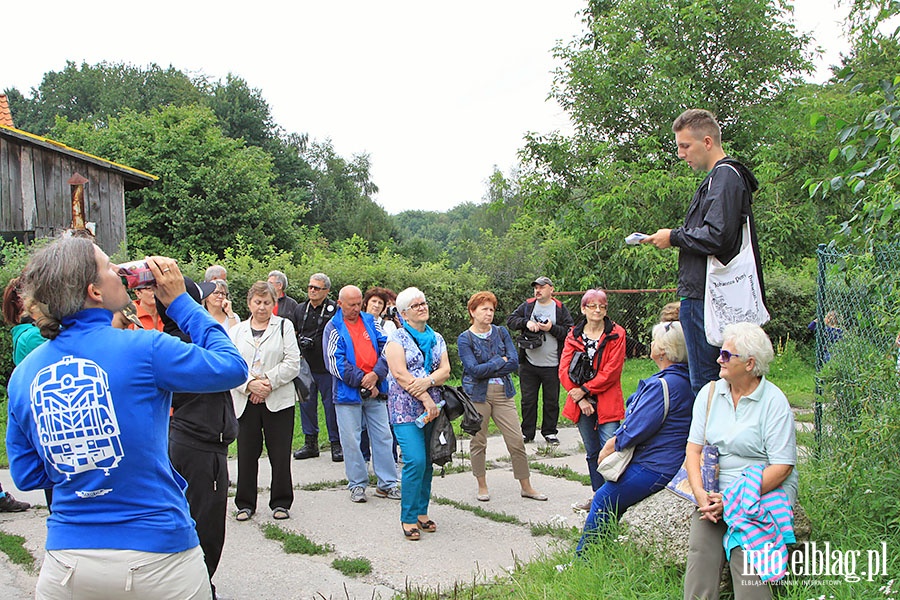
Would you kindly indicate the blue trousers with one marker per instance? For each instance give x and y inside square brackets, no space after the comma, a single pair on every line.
[594,438]
[309,410]
[372,414]
[417,470]
[701,355]
[615,497]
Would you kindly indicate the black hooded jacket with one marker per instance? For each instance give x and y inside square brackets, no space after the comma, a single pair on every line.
[202,421]
[713,224]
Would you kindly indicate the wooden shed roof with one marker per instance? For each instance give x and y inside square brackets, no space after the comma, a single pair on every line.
[135,179]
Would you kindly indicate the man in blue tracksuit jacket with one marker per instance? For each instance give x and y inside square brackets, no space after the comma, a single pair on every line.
[352,346]
[89,417]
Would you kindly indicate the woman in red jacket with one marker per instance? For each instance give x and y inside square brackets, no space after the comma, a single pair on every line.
[590,369]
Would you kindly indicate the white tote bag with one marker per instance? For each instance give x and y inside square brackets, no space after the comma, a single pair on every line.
[732,291]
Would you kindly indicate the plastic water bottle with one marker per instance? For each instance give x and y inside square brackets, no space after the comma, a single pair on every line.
[420,420]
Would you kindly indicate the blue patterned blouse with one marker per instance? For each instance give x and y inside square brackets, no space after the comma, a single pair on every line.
[403,407]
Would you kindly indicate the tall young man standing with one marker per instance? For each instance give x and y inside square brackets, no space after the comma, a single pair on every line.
[712,226]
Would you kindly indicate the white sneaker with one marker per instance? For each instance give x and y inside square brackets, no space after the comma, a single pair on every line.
[358,494]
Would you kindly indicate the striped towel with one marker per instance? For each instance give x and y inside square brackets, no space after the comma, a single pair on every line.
[761,525]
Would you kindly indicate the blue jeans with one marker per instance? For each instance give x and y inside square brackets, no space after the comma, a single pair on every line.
[309,410]
[594,438]
[350,418]
[701,355]
[417,470]
[615,497]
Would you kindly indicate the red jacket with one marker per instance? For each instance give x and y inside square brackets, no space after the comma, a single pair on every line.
[606,386]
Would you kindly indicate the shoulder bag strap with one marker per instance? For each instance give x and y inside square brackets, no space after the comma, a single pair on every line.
[712,389]
[665,398]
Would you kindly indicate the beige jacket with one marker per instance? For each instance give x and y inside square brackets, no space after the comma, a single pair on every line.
[280,360]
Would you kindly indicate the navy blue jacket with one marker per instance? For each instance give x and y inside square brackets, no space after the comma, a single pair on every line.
[659,446]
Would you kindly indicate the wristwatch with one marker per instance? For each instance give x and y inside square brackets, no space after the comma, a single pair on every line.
[432,381]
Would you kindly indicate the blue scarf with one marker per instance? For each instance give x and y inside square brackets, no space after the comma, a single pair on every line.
[425,340]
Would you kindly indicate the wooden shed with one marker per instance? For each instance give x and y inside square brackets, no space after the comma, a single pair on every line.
[36,198]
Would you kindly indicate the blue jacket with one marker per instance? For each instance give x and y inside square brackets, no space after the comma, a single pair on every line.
[340,359]
[659,445]
[89,417]
[482,360]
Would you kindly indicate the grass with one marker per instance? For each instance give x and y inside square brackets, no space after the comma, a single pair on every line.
[295,543]
[14,547]
[561,472]
[498,517]
[352,567]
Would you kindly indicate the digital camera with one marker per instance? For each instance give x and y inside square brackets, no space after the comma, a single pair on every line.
[305,343]
[391,312]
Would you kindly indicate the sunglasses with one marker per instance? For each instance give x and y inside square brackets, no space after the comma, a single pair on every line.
[726,355]
[315,287]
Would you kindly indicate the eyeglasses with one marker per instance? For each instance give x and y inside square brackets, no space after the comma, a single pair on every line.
[223,294]
[418,306]
[595,306]
[726,355]
[316,288]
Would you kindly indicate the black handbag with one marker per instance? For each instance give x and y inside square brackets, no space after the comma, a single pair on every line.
[458,404]
[529,340]
[304,381]
[581,369]
[443,440]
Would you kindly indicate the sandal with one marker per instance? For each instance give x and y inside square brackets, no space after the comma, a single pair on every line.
[427,526]
[243,515]
[411,534]
[280,514]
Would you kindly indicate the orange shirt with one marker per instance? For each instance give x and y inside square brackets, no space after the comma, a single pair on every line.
[366,356]
[146,318]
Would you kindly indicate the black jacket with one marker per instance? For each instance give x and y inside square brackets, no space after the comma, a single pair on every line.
[518,321]
[311,323]
[713,224]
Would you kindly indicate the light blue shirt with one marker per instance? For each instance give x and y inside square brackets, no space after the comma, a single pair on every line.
[760,431]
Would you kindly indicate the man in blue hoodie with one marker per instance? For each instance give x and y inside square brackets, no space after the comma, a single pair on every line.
[89,416]
[352,346]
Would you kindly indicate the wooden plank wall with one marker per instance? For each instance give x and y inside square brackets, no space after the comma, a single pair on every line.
[35,195]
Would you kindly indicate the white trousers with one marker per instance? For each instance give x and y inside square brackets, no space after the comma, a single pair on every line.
[123,574]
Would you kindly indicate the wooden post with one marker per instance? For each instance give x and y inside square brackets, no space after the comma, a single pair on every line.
[77,184]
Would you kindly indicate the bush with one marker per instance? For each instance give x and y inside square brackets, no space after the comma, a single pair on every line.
[791,300]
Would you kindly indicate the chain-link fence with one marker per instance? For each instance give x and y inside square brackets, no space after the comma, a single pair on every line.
[855,331]
[637,311]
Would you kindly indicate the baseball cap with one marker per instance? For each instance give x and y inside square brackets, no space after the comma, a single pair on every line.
[541,281]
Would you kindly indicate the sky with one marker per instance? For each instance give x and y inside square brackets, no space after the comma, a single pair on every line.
[437,94]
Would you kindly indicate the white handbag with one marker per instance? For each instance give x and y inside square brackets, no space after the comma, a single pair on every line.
[733,293]
[615,464]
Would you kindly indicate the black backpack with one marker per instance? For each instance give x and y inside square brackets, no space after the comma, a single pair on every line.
[458,404]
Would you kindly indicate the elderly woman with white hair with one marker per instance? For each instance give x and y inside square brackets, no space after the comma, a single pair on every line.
[656,425]
[418,362]
[750,421]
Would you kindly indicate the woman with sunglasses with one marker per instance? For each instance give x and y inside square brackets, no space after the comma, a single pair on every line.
[418,362]
[656,425]
[590,370]
[750,421]
[219,306]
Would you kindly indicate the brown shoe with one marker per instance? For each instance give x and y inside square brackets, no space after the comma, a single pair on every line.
[10,504]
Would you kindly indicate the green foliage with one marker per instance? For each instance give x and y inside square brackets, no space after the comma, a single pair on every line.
[295,543]
[641,63]
[352,567]
[14,548]
[791,300]
[209,185]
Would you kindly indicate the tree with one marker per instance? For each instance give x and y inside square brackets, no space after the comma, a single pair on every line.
[643,62]
[211,188]
[98,92]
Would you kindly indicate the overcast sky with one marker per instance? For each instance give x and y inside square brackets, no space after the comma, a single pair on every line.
[436,93]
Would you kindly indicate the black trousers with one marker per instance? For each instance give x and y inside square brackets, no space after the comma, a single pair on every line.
[259,424]
[207,494]
[533,379]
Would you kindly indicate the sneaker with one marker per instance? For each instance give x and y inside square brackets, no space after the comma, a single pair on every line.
[527,439]
[10,504]
[391,494]
[358,494]
[552,439]
[583,507]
